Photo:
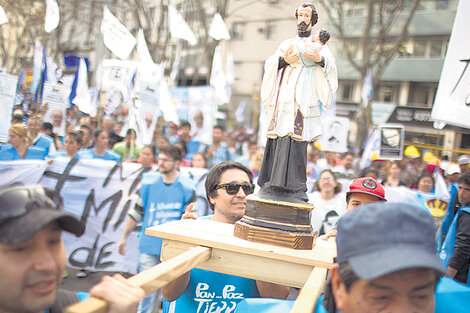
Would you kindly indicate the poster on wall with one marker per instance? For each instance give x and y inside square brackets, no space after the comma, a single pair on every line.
[391,141]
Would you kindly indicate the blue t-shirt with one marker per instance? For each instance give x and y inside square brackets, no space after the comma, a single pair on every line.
[162,203]
[109,155]
[44,142]
[212,292]
[61,153]
[9,153]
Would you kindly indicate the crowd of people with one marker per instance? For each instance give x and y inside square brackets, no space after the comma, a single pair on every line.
[232,161]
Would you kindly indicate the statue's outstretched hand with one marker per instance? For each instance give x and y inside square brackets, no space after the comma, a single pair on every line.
[312,55]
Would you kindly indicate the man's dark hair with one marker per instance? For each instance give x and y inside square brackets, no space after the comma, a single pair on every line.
[213,177]
[219,127]
[314,18]
[98,132]
[185,123]
[87,128]
[77,136]
[47,126]
[465,179]
[348,153]
[172,151]
[131,131]
[324,36]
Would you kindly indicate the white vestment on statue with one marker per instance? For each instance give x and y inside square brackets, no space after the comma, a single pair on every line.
[292,95]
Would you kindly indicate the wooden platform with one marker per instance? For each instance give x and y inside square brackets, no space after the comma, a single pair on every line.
[235,256]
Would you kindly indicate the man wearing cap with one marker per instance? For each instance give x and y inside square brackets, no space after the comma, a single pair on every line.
[32,256]
[391,267]
[361,191]
[463,161]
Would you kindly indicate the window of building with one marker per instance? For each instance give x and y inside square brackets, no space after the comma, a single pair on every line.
[346,91]
[238,31]
[437,46]
[422,94]
[419,48]
[386,93]
[442,5]
[270,30]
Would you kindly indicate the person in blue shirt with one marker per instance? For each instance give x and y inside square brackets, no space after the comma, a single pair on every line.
[39,139]
[163,197]
[19,146]
[100,149]
[227,185]
[73,142]
[33,257]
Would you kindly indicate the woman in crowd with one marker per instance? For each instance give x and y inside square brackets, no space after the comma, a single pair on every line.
[19,146]
[425,183]
[72,143]
[329,202]
[392,170]
[199,160]
[147,156]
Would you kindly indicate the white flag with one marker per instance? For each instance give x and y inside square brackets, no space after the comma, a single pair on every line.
[218,80]
[240,112]
[175,68]
[367,90]
[218,30]
[142,49]
[37,66]
[179,28]
[166,105]
[52,16]
[116,37]
[3,16]
[230,75]
[82,97]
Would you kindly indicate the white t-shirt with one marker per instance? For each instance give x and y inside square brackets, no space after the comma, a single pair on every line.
[326,213]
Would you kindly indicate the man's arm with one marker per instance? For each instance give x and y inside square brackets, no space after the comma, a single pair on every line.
[174,289]
[121,296]
[130,226]
[461,251]
[270,290]
[135,216]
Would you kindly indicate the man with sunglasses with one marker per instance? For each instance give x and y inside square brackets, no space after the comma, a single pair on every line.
[164,195]
[33,258]
[227,185]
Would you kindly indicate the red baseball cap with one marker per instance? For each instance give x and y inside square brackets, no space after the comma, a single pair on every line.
[367,185]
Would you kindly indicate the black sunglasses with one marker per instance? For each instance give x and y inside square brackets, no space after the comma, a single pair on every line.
[15,201]
[233,188]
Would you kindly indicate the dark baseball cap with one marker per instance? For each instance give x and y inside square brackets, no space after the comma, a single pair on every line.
[380,238]
[367,185]
[24,210]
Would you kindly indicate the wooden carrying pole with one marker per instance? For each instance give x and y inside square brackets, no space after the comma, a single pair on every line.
[309,294]
[152,279]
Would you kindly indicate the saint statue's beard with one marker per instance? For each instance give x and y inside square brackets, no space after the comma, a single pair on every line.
[302,29]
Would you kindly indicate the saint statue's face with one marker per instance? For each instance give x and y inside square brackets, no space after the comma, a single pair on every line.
[304,16]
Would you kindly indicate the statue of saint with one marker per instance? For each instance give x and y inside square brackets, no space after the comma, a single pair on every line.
[299,78]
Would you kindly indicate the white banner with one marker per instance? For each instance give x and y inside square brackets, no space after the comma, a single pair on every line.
[452,103]
[116,37]
[7,98]
[56,96]
[99,193]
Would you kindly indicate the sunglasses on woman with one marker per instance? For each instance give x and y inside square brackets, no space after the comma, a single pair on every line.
[233,188]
